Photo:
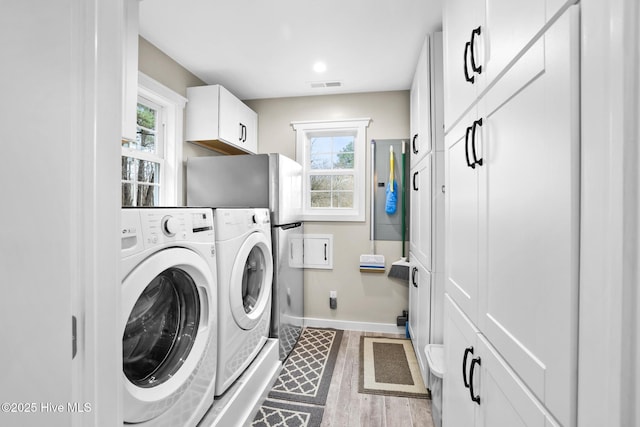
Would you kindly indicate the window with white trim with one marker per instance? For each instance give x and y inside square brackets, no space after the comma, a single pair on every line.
[152,164]
[332,155]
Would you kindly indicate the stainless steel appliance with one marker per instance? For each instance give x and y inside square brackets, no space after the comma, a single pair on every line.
[270,181]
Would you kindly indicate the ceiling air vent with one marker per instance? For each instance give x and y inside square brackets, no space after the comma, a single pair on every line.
[326,84]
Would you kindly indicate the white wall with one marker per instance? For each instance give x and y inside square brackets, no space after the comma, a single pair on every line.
[160,67]
[362,297]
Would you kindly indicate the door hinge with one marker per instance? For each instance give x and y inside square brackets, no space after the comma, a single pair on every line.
[74,337]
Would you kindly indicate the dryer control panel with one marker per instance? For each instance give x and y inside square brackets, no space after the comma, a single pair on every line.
[236,222]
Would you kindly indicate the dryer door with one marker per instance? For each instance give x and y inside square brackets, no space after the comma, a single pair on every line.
[251,279]
[167,325]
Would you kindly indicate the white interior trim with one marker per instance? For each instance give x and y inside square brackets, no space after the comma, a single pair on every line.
[359,127]
[347,325]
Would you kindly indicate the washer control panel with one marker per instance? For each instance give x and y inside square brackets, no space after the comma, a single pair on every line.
[148,227]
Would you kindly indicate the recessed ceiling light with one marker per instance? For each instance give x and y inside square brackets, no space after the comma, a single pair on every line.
[319,67]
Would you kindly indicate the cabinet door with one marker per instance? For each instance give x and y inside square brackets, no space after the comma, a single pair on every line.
[504,401]
[529,216]
[420,211]
[229,124]
[460,346]
[414,297]
[248,120]
[421,137]
[459,19]
[461,220]
[488,37]
[414,114]
[420,292]
[318,251]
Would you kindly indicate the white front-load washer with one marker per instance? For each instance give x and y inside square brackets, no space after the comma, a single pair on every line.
[245,275]
[168,318]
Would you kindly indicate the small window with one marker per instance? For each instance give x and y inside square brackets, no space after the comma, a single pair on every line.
[143,159]
[152,164]
[332,155]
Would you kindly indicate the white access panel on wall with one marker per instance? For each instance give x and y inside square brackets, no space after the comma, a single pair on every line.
[318,251]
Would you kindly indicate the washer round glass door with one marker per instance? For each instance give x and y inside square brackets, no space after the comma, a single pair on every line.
[166,329]
[251,279]
[161,329]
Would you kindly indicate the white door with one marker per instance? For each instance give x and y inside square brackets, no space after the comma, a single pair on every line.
[251,279]
[167,321]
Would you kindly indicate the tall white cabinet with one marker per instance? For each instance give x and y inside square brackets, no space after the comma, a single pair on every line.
[512,215]
[426,282]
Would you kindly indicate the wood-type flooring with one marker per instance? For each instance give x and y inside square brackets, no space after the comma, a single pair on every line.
[346,407]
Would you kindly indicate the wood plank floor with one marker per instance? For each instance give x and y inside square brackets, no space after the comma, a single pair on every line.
[347,408]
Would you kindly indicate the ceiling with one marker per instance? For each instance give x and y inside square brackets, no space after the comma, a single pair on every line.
[267,48]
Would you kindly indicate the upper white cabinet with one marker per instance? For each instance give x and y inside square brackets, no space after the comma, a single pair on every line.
[130,70]
[217,119]
[420,107]
[482,38]
[426,100]
[512,218]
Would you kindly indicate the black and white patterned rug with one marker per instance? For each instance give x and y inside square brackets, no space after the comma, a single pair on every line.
[276,413]
[305,378]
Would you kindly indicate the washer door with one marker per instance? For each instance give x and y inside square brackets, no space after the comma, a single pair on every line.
[166,328]
[251,280]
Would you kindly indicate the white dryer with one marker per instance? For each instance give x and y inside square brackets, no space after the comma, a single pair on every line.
[168,319]
[245,275]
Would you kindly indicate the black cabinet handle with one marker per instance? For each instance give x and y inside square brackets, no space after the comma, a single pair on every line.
[468,78]
[474,67]
[472,165]
[467,351]
[474,362]
[325,251]
[415,186]
[473,141]
[413,144]
[413,276]
[243,133]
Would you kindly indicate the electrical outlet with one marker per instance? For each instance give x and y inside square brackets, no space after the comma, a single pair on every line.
[333,300]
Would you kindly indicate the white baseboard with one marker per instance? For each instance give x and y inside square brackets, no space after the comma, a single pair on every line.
[347,325]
